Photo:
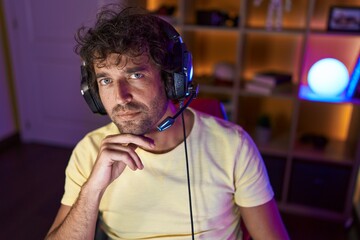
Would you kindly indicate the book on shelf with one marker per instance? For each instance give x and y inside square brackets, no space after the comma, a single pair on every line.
[255,87]
[272,78]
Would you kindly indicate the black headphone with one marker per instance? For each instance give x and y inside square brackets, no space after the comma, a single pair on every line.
[178,82]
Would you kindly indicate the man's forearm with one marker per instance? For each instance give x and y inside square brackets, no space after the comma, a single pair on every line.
[80,223]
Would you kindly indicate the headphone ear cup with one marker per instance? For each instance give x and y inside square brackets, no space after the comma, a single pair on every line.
[175,85]
[91,98]
[178,81]
[169,85]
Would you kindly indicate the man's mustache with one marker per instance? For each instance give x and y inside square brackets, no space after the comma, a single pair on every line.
[131,106]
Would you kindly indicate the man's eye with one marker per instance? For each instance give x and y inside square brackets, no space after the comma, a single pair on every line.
[105,81]
[136,75]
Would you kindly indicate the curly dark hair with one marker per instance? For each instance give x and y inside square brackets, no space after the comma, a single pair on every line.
[131,32]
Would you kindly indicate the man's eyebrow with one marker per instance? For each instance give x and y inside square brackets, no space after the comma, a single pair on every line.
[127,70]
[136,69]
[101,75]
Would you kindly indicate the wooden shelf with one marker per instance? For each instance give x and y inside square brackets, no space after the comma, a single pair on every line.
[275,32]
[200,28]
[335,152]
[285,96]
[325,33]
[278,147]
[215,89]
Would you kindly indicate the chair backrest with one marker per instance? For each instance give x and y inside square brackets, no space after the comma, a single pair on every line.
[209,105]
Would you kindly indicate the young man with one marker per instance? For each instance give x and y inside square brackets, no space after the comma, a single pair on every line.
[131,175]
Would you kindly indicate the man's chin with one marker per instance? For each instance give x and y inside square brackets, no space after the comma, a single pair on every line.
[134,129]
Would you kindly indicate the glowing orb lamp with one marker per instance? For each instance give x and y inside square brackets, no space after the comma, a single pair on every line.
[328,77]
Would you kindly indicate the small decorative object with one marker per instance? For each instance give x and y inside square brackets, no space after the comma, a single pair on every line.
[351,84]
[317,141]
[224,73]
[270,82]
[344,19]
[216,18]
[166,13]
[328,77]
[275,8]
[263,129]
[211,17]
[272,78]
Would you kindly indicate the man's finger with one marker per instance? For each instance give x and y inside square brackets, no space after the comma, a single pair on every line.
[140,141]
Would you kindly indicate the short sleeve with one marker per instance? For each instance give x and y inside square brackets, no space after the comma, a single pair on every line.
[78,170]
[252,186]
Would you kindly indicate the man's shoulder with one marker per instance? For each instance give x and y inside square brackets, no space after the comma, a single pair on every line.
[107,129]
[97,135]
[208,119]
[216,125]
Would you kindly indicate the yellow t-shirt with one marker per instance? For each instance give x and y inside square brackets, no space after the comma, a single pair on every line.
[226,170]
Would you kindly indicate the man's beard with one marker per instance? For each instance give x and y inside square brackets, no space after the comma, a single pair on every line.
[146,120]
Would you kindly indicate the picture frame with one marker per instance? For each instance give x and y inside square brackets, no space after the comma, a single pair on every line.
[344,19]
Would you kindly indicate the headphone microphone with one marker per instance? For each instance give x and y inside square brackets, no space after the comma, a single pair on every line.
[169,121]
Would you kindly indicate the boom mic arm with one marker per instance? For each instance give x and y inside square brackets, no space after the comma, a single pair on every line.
[169,121]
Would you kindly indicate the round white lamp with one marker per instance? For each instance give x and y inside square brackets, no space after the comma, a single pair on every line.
[328,77]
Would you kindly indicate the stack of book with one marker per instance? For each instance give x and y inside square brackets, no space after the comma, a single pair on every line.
[270,82]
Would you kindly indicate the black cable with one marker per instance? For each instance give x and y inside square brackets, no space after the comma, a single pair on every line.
[188,176]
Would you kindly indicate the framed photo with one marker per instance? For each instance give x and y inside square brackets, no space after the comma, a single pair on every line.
[344,19]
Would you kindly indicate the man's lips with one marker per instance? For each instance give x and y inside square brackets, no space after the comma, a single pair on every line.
[126,115]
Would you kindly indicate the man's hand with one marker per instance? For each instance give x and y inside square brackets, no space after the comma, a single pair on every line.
[116,152]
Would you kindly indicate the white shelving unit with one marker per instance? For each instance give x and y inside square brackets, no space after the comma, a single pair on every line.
[318,182]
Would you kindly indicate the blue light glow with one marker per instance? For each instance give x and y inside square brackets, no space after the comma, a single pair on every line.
[306,93]
[328,77]
[354,79]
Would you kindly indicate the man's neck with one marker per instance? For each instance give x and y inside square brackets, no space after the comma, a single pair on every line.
[167,140]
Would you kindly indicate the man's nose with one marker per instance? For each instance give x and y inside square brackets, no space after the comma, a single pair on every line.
[123,92]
